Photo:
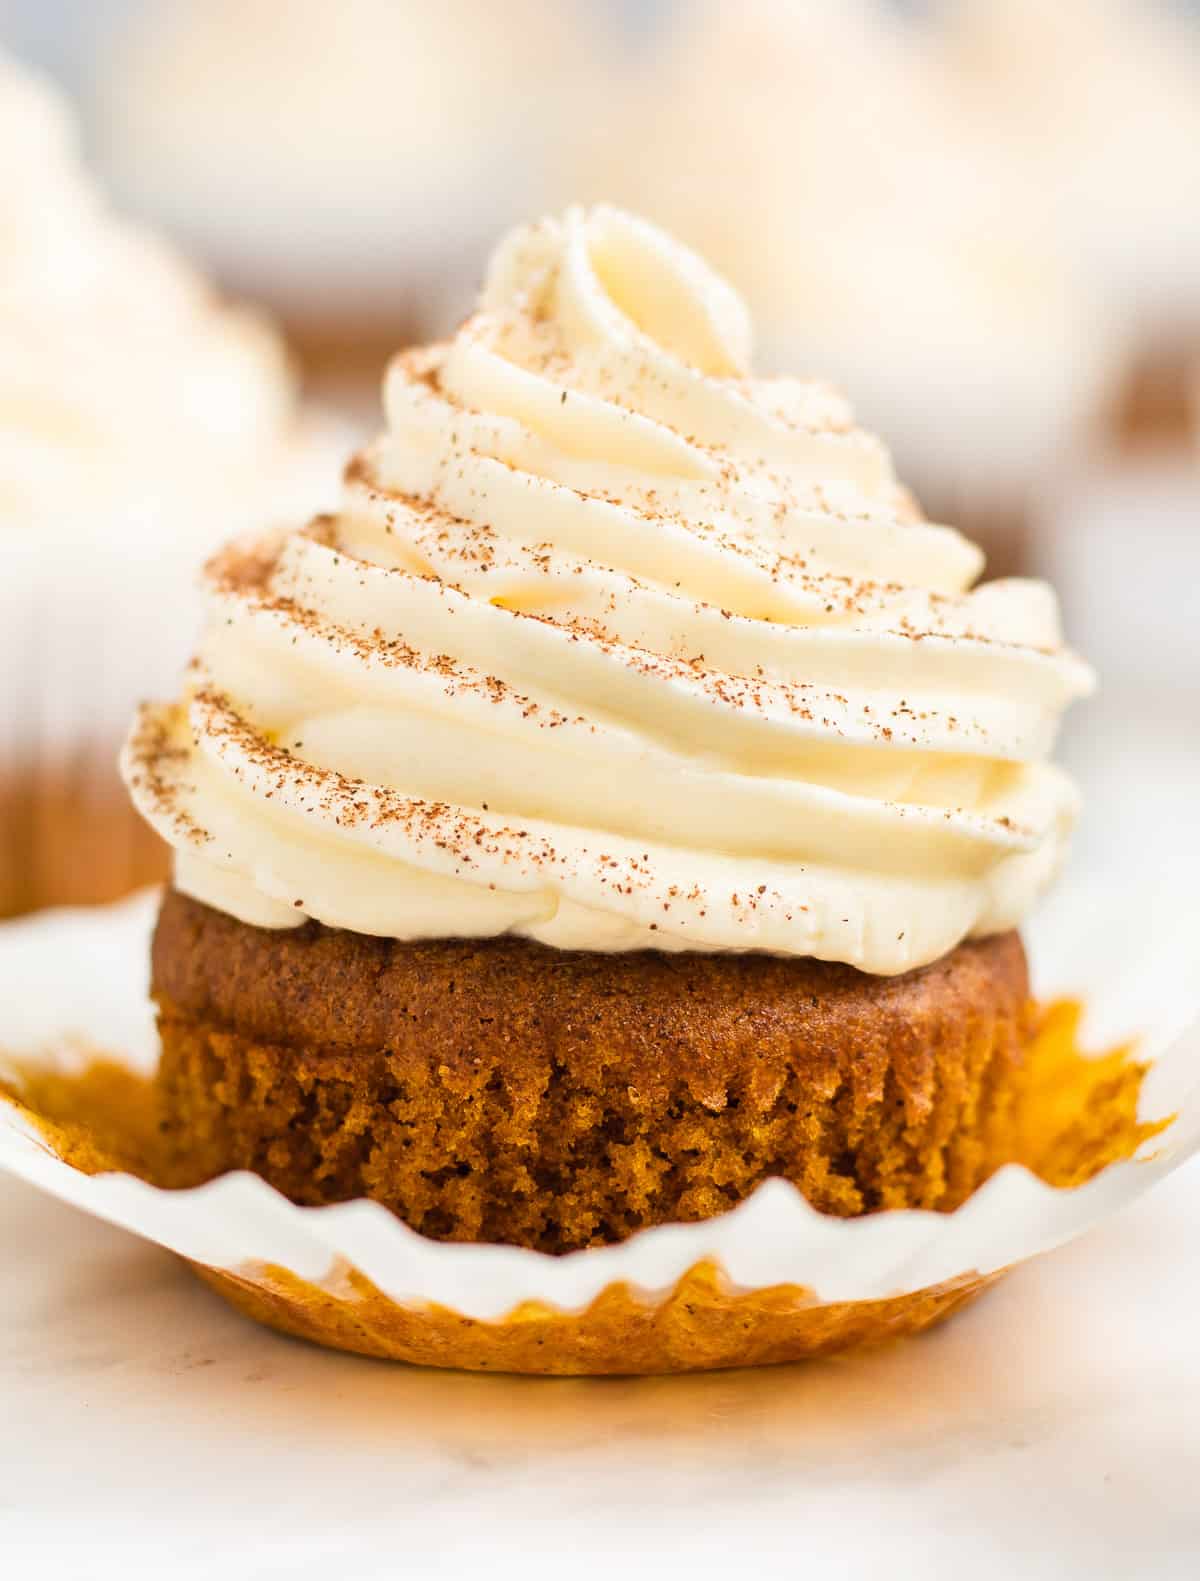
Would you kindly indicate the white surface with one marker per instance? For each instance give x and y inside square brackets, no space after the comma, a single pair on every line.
[1050,1431]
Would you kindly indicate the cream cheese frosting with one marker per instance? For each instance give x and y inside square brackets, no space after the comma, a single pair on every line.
[124,382]
[613,645]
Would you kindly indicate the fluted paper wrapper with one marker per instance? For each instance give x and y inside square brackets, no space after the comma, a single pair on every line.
[86,623]
[772,1280]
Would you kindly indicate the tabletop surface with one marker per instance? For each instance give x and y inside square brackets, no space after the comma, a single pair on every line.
[1050,1430]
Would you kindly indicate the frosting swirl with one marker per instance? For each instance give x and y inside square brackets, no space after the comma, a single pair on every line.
[614,646]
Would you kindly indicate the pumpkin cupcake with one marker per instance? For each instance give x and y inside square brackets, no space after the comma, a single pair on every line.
[624,798]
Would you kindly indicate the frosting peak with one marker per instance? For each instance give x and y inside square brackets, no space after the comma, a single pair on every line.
[608,275]
[615,646]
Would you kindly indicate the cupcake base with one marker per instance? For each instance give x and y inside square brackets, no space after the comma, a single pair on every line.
[69,836]
[1155,407]
[702,1324]
[1001,523]
[342,359]
[90,1129]
[497,1090]
[1005,533]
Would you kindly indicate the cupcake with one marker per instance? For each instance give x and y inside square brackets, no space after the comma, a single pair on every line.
[881,241]
[623,798]
[141,421]
[1098,103]
[348,172]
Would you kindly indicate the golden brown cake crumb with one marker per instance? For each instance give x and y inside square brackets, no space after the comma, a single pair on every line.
[499,1090]
[1072,1116]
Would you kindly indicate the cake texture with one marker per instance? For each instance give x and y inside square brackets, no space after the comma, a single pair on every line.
[501,1090]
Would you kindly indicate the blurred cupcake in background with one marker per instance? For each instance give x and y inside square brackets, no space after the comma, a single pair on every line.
[1098,104]
[875,239]
[346,164]
[141,420]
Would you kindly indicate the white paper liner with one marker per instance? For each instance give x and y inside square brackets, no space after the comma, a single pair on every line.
[97,613]
[773,1238]
[95,616]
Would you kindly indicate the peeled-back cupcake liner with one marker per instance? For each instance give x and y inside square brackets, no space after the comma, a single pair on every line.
[771,1280]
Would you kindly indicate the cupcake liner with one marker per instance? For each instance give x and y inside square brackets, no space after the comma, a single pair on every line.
[77,615]
[772,1280]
